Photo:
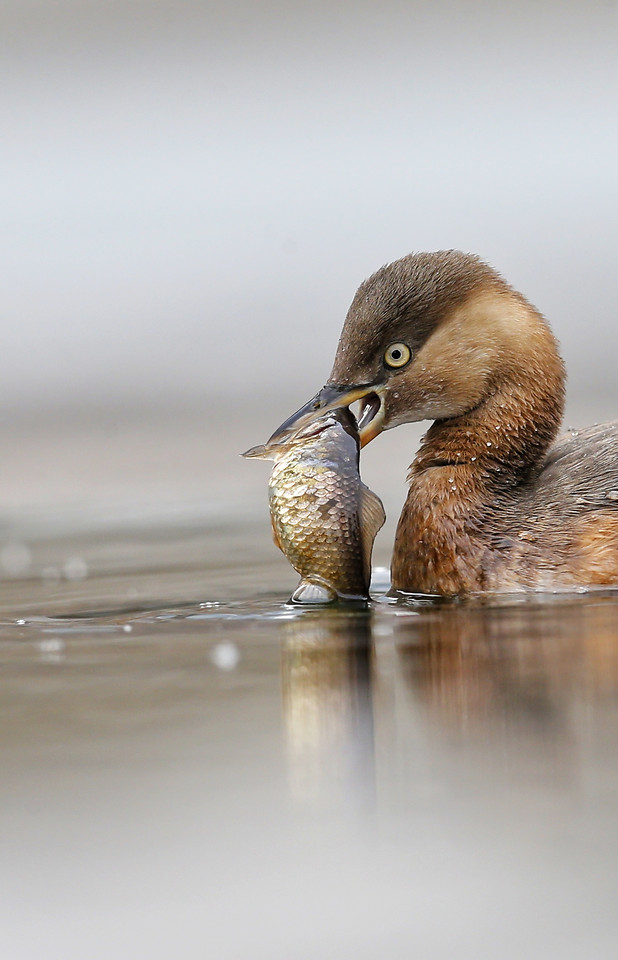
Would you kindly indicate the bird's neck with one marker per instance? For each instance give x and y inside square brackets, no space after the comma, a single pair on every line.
[466,464]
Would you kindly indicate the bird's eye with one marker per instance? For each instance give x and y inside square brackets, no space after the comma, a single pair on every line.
[397,355]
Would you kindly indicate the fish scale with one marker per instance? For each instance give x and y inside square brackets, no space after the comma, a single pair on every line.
[324,518]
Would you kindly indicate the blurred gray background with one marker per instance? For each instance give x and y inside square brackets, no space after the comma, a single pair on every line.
[191,192]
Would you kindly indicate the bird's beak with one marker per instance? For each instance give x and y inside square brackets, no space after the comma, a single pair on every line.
[332,396]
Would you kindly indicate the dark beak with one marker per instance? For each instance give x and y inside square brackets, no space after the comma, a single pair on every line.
[332,396]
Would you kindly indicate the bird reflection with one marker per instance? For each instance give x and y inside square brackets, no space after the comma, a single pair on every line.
[502,696]
[327,700]
[461,666]
[525,662]
[463,697]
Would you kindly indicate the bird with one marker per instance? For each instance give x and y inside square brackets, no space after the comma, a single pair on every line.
[495,503]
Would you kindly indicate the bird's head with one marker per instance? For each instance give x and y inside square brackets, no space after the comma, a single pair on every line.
[426,337]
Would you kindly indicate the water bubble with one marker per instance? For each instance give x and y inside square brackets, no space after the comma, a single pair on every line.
[225,656]
[52,649]
[51,645]
[75,568]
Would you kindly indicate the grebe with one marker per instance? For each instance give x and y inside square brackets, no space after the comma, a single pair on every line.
[492,504]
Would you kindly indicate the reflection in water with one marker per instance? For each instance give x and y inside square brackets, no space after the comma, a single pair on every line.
[473,665]
[485,736]
[328,707]
[148,765]
[473,694]
[506,698]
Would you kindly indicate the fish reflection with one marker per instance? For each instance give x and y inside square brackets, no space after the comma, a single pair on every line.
[327,699]
[465,700]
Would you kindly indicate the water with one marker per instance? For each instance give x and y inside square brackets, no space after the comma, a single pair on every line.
[191,768]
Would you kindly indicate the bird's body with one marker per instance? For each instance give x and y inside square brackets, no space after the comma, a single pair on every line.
[460,532]
[492,504]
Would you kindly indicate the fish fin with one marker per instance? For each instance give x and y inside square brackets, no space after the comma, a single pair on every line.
[261,452]
[372,518]
[309,592]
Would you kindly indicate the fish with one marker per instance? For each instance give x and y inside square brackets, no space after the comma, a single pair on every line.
[324,518]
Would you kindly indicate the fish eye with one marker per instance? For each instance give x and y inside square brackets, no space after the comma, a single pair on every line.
[397,355]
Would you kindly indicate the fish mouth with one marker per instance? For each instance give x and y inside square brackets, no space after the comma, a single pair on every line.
[279,442]
[332,396]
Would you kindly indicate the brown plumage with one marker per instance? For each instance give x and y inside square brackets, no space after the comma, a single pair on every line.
[492,505]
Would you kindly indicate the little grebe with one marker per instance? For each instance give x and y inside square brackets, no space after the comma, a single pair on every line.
[492,505]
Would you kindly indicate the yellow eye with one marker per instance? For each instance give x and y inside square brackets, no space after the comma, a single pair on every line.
[397,355]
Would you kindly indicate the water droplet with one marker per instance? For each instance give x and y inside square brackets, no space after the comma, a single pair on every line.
[473,459]
[489,443]
[127,628]
[52,649]
[225,656]
[75,568]
[51,645]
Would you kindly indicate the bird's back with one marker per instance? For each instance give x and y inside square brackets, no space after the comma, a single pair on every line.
[561,528]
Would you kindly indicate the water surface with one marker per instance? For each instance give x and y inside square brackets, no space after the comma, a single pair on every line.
[192,768]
